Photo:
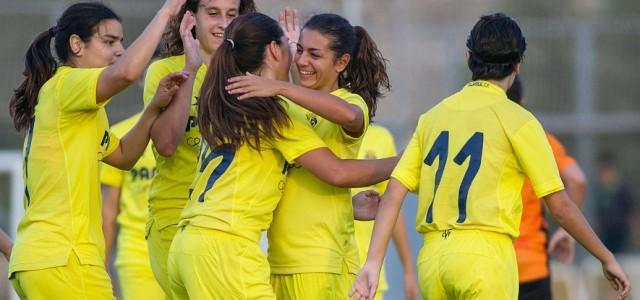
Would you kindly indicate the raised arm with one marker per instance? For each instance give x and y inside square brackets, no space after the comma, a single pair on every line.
[135,141]
[169,129]
[348,116]
[130,66]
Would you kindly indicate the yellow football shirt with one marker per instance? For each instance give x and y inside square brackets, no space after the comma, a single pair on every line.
[468,158]
[65,143]
[237,191]
[377,143]
[134,200]
[313,229]
[169,190]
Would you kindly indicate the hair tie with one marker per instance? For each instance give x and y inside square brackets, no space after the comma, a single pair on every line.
[53,30]
[233,44]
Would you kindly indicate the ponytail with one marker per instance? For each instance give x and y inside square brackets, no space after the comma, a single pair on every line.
[222,119]
[39,66]
[366,73]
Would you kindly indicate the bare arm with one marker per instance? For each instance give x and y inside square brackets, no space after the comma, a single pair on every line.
[346,172]
[130,66]
[6,244]
[561,243]
[348,116]
[110,211]
[135,141]
[169,129]
[401,241]
[568,215]
[366,283]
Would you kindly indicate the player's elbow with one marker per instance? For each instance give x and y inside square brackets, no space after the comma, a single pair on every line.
[165,145]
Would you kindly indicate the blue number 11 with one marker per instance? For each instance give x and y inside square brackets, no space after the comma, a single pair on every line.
[440,149]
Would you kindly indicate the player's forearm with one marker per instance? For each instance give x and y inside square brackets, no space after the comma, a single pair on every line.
[385,222]
[6,244]
[401,241]
[569,217]
[170,126]
[110,210]
[133,144]
[328,106]
[360,173]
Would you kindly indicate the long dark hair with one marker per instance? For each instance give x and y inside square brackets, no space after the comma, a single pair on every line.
[496,45]
[80,19]
[366,73]
[221,117]
[171,44]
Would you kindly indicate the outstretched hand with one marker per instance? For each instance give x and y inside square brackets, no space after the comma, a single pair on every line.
[173,6]
[190,44]
[289,20]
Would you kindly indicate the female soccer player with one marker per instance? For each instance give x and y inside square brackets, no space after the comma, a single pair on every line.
[176,138]
[242,170]
[59,241]
[531,246]
[311,241]
[125,196]
[468,158]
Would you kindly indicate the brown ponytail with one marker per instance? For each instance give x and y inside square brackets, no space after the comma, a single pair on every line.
[223,119]
[39,66]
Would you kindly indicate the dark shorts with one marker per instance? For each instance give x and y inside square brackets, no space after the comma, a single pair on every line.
[536,290]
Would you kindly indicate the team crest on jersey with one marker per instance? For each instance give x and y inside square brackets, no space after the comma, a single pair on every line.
[313,120]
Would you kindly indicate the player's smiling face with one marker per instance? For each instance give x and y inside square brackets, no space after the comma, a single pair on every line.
[318,66]
[212,17]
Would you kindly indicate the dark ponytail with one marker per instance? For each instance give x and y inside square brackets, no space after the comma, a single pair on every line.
[39,66]
[171,44]
[223,119]
[366,73]
[80,19]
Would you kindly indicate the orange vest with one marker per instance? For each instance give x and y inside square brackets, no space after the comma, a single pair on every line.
[531,246]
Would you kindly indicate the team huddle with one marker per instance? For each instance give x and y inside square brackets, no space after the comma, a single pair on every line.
[253,125]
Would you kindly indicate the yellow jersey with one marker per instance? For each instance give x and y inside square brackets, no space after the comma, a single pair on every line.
[313,229]
[237,191]
[468,158]
[65,143]
[169,189]
[134,200]
[377,143]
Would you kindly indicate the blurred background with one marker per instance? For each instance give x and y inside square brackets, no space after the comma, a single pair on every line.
[579,75]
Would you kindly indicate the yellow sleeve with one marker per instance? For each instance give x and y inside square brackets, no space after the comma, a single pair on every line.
[297,139]
[534,154]
[156,71]
[408,169]
[112,145]
[77,90]
[356,100]
[111,176]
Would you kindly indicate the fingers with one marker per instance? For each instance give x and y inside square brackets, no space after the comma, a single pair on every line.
[289,17]
[626,289]
[296,20]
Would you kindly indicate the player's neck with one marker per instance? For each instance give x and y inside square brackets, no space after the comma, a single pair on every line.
[504,83]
